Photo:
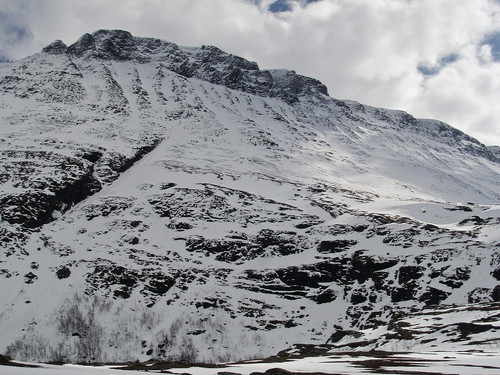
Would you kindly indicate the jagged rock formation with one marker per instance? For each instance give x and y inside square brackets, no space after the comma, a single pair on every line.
[207,63]
[180,203]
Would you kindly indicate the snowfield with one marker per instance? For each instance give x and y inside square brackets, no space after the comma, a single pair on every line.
[443,363]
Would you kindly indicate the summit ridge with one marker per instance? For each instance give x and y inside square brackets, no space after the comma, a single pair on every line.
[208,63]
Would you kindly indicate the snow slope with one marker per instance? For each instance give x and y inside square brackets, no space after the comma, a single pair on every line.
[355,363]
[179,203]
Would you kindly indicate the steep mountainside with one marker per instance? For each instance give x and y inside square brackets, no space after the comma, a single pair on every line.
[180,203]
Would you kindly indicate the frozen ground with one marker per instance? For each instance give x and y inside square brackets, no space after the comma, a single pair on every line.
[476,363]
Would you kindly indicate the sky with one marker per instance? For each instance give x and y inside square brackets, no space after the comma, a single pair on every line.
[432,58]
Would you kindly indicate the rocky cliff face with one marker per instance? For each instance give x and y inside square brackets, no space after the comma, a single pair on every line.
[207,63]
[180,203]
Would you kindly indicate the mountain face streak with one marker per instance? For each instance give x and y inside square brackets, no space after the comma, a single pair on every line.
[179,203]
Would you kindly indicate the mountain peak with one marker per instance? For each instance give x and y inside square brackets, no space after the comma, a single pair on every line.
[106,44]
[207,63]
[56,47]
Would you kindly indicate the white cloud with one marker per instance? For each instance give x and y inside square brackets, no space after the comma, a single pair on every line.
[366,50]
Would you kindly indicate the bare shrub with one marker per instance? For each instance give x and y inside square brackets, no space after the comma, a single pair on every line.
[30,347]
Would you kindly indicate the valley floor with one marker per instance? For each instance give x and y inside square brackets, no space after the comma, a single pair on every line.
[435,363]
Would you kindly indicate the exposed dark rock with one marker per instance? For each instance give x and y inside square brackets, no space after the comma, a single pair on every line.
[433,296]
[480,295]
[402,294]
[159,283]
[410,273]
[380,280]
[325,296]
[107,206]
[179,225]
[131,240]
[56,48]
[345,271]
[363,267]
[212,303]
[430,228]
[358,297]
[495,294]
[84,44]
[298,277]
[475,220]
[197,332]
[496,274]
[467,329]
[63,273]
[202,63]
[244,247]
[335,246]
[30,278]
[457,278]
[124,281]
[213,204]
[340,334]
[71,181]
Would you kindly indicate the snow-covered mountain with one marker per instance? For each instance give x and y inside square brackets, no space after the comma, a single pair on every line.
[179,203]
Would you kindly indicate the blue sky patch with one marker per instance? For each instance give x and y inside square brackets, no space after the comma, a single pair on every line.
[494,41]
[286,5]
[280,6]
[430,70]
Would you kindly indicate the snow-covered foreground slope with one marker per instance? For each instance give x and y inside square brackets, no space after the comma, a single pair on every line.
[442,363]
[178,203]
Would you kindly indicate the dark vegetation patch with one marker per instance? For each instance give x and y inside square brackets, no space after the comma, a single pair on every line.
[280,371]
[7,361]
[159,366]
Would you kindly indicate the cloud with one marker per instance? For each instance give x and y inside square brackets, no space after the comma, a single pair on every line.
[466,92]
[432,58]
[13,32]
